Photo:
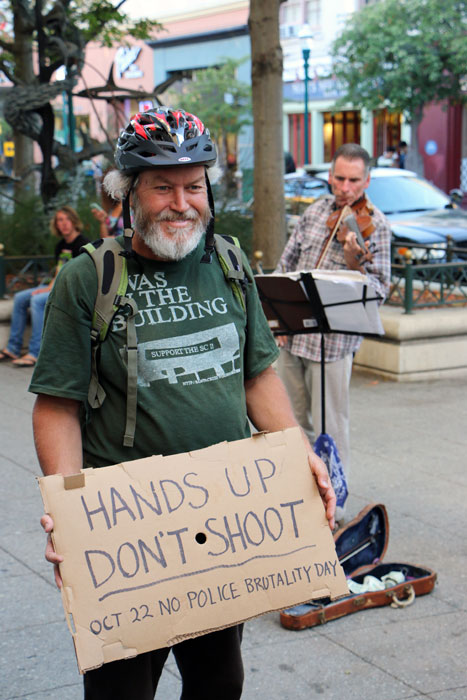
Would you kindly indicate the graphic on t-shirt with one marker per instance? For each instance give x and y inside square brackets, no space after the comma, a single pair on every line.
[192,359]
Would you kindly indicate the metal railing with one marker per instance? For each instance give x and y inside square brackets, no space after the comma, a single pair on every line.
[19,272]
[421,279]
[418,280]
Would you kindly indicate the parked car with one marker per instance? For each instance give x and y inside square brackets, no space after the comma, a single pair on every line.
[301,190]
[418,211]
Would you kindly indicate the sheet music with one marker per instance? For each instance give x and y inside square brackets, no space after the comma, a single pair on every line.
[348,299]
[359,317]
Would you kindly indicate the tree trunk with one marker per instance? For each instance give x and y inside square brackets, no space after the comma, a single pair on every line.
[269,232]
[24,159]
[24,73]
[414,159]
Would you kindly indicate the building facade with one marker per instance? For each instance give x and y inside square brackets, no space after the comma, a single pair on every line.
[308,28]
[442,135]
[193,39]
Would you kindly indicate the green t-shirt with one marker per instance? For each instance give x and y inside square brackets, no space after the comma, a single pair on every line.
[196,347]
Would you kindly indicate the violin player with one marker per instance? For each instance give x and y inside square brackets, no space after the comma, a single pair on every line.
[321,240]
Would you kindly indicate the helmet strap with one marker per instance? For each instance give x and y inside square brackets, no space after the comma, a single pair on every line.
[128,231]
[209,243]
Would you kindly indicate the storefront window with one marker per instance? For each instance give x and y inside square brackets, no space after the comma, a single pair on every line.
[340,128]
[386,130]
[297,138]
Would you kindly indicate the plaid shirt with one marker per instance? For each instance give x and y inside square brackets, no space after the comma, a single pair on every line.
[302,253]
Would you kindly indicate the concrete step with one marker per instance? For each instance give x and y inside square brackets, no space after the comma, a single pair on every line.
[6,309]
[425,345]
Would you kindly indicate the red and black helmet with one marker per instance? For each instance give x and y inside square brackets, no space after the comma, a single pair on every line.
[163,137]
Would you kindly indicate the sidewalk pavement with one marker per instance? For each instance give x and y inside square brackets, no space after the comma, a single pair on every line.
[409,443]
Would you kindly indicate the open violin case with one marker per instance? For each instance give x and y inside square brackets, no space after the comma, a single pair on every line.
[361,546]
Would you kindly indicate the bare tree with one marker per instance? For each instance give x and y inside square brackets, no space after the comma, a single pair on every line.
[45,37]
[269,231]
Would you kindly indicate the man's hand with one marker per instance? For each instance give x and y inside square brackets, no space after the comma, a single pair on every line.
[353,254]
[269,409]
[50,553]
[319,471]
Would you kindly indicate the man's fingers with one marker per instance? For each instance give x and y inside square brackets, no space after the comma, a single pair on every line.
[50,553]
[47,523]
[58,578]
[326,491]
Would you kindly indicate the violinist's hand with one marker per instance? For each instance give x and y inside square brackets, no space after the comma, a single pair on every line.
[353,254]
[50,553]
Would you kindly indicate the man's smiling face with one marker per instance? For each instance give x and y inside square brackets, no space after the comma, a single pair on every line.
[171,210]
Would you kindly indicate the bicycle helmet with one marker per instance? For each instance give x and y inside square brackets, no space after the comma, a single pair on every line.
[163,137]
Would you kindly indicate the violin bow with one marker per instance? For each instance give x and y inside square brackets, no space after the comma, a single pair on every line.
[346,211]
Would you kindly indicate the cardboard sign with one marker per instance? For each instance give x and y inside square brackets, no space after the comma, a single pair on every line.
[165,548]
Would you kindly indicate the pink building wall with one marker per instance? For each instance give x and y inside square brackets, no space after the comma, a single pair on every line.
[95,73]
[440,143]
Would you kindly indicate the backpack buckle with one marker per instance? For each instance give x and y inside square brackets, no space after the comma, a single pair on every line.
[94,336]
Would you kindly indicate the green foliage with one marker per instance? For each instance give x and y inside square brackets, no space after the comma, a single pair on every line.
[24,229]
[100,19]
[237,224]
[217,97]
[402,54]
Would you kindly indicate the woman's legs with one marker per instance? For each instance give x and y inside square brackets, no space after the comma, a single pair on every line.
[38,302]
[21,303]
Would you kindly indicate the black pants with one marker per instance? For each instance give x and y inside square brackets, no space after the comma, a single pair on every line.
[210,666]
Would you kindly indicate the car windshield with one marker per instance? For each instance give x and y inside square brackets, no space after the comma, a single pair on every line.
[394,195]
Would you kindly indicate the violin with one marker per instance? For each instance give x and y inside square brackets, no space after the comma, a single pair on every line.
[362,212]
[357,218]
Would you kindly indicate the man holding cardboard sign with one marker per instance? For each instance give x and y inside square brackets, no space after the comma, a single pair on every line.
[201,364]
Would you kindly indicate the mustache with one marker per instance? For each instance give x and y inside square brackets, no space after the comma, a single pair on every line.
[190,214]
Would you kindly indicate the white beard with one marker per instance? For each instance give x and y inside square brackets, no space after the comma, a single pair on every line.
[179,243]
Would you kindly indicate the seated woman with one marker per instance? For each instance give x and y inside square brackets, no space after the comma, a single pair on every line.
[67,225]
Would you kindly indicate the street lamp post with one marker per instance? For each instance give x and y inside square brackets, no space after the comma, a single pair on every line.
[306,36]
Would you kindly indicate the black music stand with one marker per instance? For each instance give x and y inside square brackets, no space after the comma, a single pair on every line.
[306,302]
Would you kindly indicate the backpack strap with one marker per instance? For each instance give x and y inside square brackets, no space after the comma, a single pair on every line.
[230,257]
[112,283]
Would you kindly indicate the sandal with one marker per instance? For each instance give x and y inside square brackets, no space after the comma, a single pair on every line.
[6,356]
[25,361]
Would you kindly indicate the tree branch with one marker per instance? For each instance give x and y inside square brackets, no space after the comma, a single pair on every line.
[4,68]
